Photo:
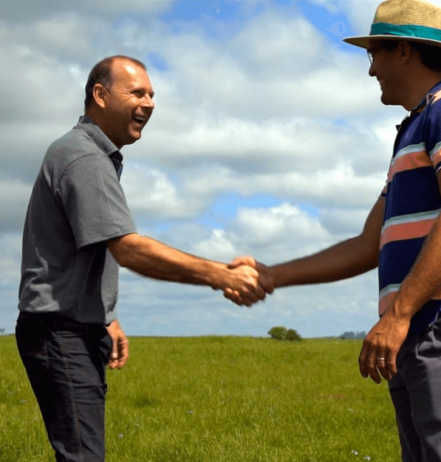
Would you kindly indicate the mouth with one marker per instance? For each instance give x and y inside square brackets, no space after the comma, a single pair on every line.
[139,120]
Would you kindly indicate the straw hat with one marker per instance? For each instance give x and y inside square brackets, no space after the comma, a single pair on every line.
[414,20]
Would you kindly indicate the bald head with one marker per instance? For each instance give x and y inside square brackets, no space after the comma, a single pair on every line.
[123,104]
[102,73]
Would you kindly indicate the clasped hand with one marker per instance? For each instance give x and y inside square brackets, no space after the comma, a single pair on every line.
[252,282]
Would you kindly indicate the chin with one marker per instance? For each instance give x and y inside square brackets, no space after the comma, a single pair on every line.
[385,100]
[133,139]
[389,100]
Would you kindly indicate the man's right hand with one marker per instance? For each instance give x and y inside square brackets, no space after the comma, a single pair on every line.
[262,276]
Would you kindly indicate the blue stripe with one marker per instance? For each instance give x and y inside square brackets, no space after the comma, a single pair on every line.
[412,191]
[396,258]
[408,30]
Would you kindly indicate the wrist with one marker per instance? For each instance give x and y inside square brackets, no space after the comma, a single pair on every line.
[219,277]
[400,311]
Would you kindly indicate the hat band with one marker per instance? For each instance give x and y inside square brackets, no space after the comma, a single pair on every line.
[422,32]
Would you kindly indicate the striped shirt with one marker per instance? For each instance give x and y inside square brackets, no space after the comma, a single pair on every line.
[413,203]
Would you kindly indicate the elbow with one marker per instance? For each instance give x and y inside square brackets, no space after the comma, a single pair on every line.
[121,248]
[121,260]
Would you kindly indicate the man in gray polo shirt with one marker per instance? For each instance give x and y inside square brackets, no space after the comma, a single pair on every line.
[78,230]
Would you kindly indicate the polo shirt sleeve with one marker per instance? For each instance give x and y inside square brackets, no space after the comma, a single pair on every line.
[94,201]
[433,132]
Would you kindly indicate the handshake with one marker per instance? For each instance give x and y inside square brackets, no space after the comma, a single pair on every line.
[248,281]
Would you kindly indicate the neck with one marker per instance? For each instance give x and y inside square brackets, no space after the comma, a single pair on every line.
[96,115]
[418,87]
[89,112]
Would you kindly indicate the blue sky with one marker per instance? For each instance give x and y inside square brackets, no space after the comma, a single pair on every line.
[268,139]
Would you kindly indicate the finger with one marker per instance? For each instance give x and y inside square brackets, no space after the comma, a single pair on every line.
[233,295]
[113,360]
[372,366]
[123,353]
[266,283]
[367,362]
[250,298]
[362,360]
[253,292]
[382,364]
[259,293]
[242,300]
[391,364]
[244,260]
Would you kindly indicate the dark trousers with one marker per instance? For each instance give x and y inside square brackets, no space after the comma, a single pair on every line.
[66,365]
[416,395]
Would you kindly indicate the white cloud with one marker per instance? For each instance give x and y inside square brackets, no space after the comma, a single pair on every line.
[34,11]
[237,111]
[152,194]
[270,234]
[15,196]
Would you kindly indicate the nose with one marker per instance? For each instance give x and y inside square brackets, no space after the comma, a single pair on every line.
[147,102]
[372,70]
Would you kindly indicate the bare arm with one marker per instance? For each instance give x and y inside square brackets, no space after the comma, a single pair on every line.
[156,260]
[341,261]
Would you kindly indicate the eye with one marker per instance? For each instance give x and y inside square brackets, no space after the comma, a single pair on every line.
[138,93]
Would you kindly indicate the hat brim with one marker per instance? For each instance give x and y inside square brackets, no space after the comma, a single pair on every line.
[363,42]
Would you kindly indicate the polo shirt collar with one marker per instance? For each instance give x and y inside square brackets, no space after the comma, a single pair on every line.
[426,100]
[97,135]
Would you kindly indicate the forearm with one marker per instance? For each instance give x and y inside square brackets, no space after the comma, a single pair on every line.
[153,259]
[423,280]
[341,261]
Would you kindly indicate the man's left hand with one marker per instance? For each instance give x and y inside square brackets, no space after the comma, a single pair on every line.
[381,347]
[120,350]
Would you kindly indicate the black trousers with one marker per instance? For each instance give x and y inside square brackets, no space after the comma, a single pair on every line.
[66,364]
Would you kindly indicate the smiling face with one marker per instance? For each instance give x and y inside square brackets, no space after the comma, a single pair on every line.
[385,67]
[127,105]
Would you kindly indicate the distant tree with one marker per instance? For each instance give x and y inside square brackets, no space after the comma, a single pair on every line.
[292,335]
[278,333]
[347,335]
[353,335]
[2,331]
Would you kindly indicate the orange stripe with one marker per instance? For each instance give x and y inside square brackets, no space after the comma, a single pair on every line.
[385,302]
[409,161]
[436,158]
[403,231]
[388,299]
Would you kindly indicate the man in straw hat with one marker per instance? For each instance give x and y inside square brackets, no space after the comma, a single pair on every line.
[402,234]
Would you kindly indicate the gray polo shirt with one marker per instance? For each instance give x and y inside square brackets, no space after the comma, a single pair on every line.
[76,205]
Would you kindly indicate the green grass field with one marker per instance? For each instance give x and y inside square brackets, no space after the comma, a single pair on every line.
[221,399]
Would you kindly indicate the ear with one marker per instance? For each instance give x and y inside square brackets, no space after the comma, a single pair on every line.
[99,93]
[404,51]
